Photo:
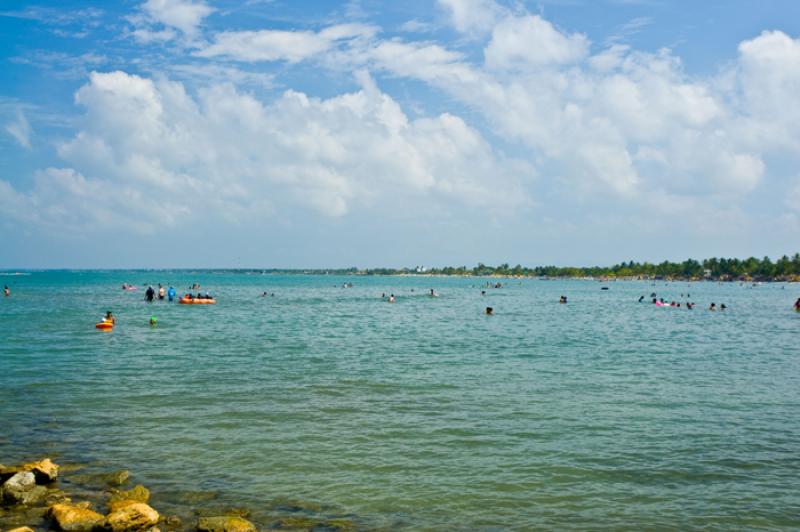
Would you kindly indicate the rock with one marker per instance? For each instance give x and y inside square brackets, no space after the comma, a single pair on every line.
[225,523]
[44,470]
[21,529]
[76,519]
[22,489]
[131,515]
[139,494]
[118,478]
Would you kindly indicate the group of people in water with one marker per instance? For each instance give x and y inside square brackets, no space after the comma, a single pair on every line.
[162,293]
[661,302]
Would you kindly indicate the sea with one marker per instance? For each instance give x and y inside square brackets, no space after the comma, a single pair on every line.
[324,400]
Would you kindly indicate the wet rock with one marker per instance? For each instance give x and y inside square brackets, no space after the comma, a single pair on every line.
[21,529]
[138,494]
[22,489]
[44,470]
[118,478]
[73,518]
[222,511]
[131,515]
[225,523]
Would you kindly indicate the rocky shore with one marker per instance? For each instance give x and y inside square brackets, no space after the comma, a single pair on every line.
[41,495]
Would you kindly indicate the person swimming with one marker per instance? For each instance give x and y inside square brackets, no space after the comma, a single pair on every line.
[722,306]
[7,291]
[489,311]
[713,306]
[641,299]
[562,299]
[391,298]
[433,293]
[153,321]
[797,305]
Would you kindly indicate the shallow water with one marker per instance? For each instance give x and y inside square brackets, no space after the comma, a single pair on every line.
[425,414]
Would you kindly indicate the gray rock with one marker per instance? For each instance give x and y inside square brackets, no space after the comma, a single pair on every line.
[22,489]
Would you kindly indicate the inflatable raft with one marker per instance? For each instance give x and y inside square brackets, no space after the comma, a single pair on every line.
[187,301]
[104,325]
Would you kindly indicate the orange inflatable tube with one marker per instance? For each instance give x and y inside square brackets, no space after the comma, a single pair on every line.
[104,325]
[187,301]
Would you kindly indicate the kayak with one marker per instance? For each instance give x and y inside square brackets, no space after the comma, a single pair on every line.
[186,301]
[104,325]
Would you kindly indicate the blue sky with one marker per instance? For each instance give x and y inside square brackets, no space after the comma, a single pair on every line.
[211,133]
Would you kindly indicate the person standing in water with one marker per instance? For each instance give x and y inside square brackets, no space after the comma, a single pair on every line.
[110,318]
[149,294]
[161,292]
[171,293]
[796,304]
[7,291]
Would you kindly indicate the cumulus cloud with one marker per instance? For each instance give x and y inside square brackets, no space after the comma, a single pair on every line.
[619,120]
[278,45]
[149,155]
[20,129]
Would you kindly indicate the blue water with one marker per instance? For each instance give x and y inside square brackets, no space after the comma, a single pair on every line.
[421,415]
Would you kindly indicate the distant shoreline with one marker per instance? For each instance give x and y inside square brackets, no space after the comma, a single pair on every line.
[784,269]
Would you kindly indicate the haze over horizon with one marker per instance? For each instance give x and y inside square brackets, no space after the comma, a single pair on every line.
[275,134]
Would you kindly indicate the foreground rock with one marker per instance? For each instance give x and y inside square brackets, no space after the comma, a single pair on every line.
[22,489]
[45,471]
[131,515]
[73,518]
[225,523]
[21,529]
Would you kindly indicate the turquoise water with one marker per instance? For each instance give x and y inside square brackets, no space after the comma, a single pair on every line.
[425,414]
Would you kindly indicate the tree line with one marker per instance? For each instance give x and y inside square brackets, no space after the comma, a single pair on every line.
[783,269]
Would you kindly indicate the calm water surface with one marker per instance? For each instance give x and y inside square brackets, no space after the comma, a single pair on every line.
[425,414]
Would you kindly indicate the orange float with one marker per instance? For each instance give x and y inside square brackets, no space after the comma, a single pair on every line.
[104,325]
[188,301]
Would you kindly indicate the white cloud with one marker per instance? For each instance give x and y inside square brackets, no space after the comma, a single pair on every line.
[20,129]
[150,155]
[473,16]
[620,121]
[164,20]
[531,41]
[278,45]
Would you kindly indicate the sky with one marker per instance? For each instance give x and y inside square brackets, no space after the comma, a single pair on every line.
[287,134]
